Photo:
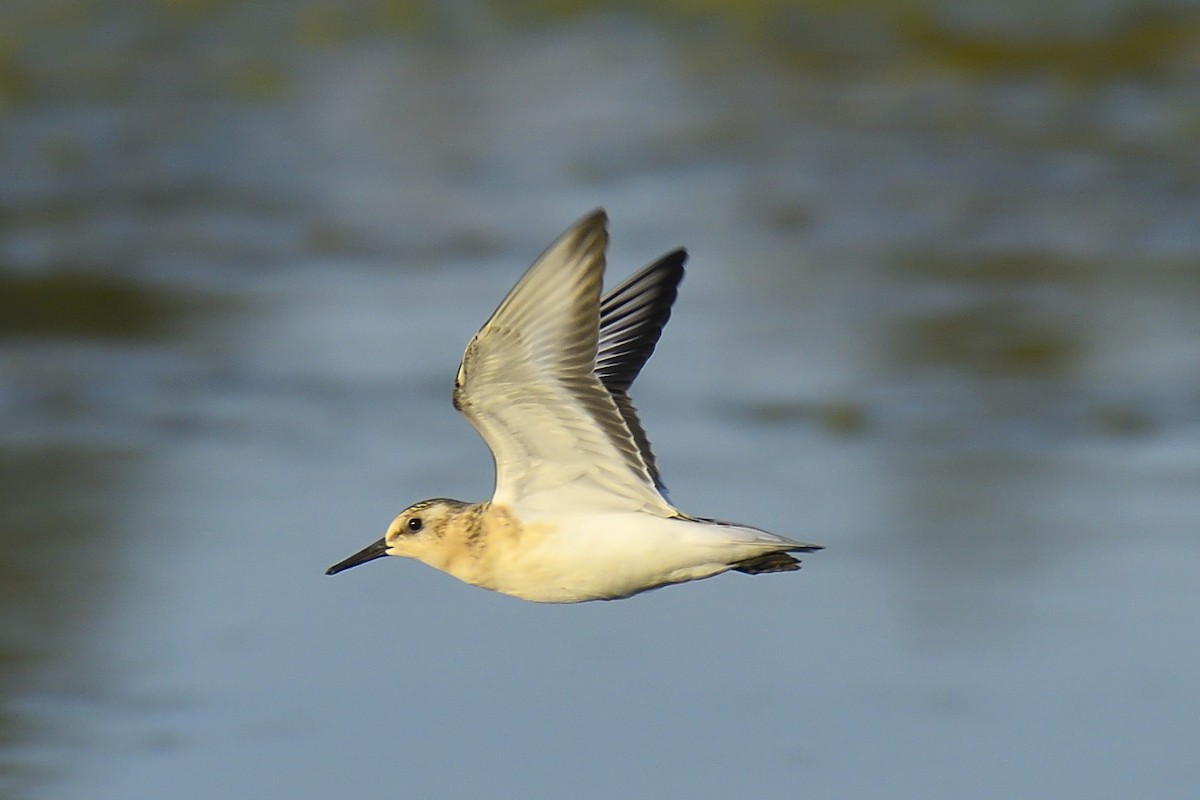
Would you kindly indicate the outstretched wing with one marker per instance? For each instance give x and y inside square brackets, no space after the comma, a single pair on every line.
[632,317]
[527,383]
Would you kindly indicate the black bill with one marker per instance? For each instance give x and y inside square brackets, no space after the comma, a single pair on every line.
[369,553]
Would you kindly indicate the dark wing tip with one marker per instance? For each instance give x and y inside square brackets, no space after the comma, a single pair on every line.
[632,318]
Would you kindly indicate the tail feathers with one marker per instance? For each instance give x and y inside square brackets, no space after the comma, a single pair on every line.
[757,535]
[771,562]
[777,561]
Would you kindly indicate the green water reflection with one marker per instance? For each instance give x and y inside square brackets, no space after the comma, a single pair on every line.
[82,305]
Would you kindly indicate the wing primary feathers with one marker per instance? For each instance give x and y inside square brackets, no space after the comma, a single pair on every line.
[632,317]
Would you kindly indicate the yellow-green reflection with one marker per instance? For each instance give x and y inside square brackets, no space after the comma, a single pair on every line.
[83,305]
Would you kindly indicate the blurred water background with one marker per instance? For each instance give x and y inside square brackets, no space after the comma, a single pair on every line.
[942,315]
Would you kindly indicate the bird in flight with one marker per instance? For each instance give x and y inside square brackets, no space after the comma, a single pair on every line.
[579,510]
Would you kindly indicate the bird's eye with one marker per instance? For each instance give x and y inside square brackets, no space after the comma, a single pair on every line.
[415,524]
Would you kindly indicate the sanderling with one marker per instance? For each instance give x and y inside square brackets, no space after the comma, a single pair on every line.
[579,512]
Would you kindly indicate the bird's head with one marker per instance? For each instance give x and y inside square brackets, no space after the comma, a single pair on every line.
[417,532]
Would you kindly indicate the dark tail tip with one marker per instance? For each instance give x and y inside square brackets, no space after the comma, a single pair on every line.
[771,562]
